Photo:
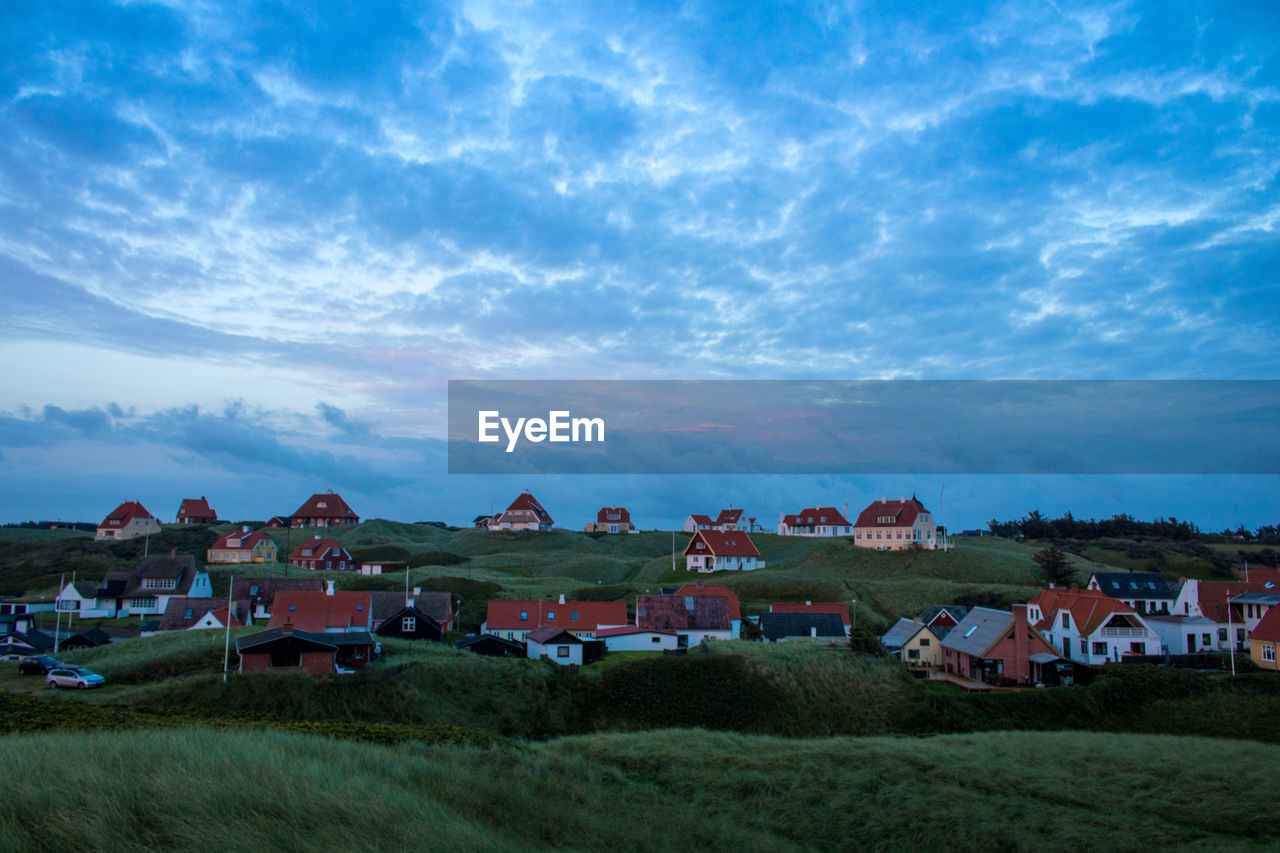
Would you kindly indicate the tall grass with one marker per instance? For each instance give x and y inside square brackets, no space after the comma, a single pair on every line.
[668,790]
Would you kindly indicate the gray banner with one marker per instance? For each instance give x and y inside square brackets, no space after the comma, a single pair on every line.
[863,427]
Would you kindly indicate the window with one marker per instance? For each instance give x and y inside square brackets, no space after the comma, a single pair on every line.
[408,624]
[1269,654]
[913,654]
[562,651]
[1100,649]
[285,659]
[1222,635]
[141,603]
[655,639]
[159,583]
[1206,640]
[573,617]
[524,615]
[1066,620]
[924,643]
[551,614]
[972,628]
[1084,649]
[188,613]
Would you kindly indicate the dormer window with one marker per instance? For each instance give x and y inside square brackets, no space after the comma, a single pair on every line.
[322,505]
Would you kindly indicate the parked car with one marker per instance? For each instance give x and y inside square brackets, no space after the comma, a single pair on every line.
[73,676]
[37,665]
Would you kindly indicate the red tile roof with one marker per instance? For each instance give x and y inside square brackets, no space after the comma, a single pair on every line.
[729,516]
[625,630]
[683,612]
[734,543]
[316,549]
[504,614]
[125,513]
[1089,608]
[528,503]
[842,610]
[714,589]
[244,541]
[334,507]
[1212,597]
[811,515]
[196,508]
[702,519]
[319,611]
[903,512]
[615,514]
[1269,628]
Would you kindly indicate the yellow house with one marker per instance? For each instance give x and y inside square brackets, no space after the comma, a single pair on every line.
[243,546]
[1264,640]
[916,643]
[895,526]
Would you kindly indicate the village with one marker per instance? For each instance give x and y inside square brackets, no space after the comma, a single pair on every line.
[302,623]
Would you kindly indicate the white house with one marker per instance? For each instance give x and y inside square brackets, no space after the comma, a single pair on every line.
[631,638]
[1089,627]
[715,551]
[555,644]
[816,521]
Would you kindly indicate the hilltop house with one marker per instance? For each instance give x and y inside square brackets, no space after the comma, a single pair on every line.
[321,554]
[324,510]
[714,551]
[126,521]
[196,511]
[816,521]
[895,525]
[243,546]
[611,519]
[1088,627]
[514,619]
[1145,592]
[185,614]
[253,598]
[693,618]
[525,513]
[728,519]
[1000,647]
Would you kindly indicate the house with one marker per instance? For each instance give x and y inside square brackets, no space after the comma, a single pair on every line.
[492,646]
[324,510]
[841,610]
[278,521]
[81,598]
[243,546]
[1145,592]
[816,521]
[514,619]
[436,606]
[145,591]
[918,645]
[252,598]
[714,590]
[895,526]
[1000,647]
[126,521]
[410,623]
[90,638]
[1086,626]
[1254,606]
[941,618]
[728,519]
[482,521]
[525,513]
[345,617]
[377,567]
[693,618]
[611,519]
[321,554]
[716,551]
[1264,639]
[185,614]
[287,650]
[20,638]
[561,647]
[825,628]
[196,511]
[632,638]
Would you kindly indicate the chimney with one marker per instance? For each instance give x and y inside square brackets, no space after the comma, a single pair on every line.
[902,499]
[846,511]
[173,553]
[1021,669]
[417,590]
[317,536]
[701,585]
[883,499]
[244,528]
[286,628]
[807,603]
[813,633]
[1075,587]
[328,587]
[562,598]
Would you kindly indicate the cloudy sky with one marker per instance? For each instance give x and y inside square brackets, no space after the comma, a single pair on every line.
[244,246]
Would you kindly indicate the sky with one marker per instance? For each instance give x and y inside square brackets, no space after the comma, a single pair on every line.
[243,247]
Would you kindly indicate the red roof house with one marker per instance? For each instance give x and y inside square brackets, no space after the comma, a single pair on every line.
[715,589]
[126,521]
[321,554]
[525,513]
[728,519]
[1264,640]
[324,510]
[895,526]
[611,519]
[715,551]
[241,546]
[196,511]
[513,619]
[816,521]
[323,611]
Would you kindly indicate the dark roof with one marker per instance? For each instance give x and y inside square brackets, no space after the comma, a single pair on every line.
[392,618]
[978,631]
[775,626]
[490,640]
[178,567]
[547,633]
[35,638]
[86,589]
[1136,585]
[248,593]
[437,605]
[685,612]
[93,636]
[273,635]
[930,613]
[901,632]
[182,612]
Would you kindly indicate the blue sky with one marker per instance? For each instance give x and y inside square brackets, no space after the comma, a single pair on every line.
[243,248]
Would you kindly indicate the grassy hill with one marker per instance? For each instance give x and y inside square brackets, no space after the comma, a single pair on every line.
[667,790]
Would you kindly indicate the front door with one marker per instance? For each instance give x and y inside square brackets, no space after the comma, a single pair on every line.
[1191,644]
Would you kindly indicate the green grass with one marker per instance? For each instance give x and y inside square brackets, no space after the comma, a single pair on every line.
[670,790]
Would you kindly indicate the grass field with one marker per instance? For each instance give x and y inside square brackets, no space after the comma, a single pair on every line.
[665,790]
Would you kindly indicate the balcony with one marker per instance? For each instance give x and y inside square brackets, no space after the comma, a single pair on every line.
[1135,633]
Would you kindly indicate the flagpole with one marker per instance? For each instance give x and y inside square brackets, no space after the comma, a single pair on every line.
[226,647]
[57,610]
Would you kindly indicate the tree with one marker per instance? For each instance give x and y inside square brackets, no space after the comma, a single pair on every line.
[1054,562]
